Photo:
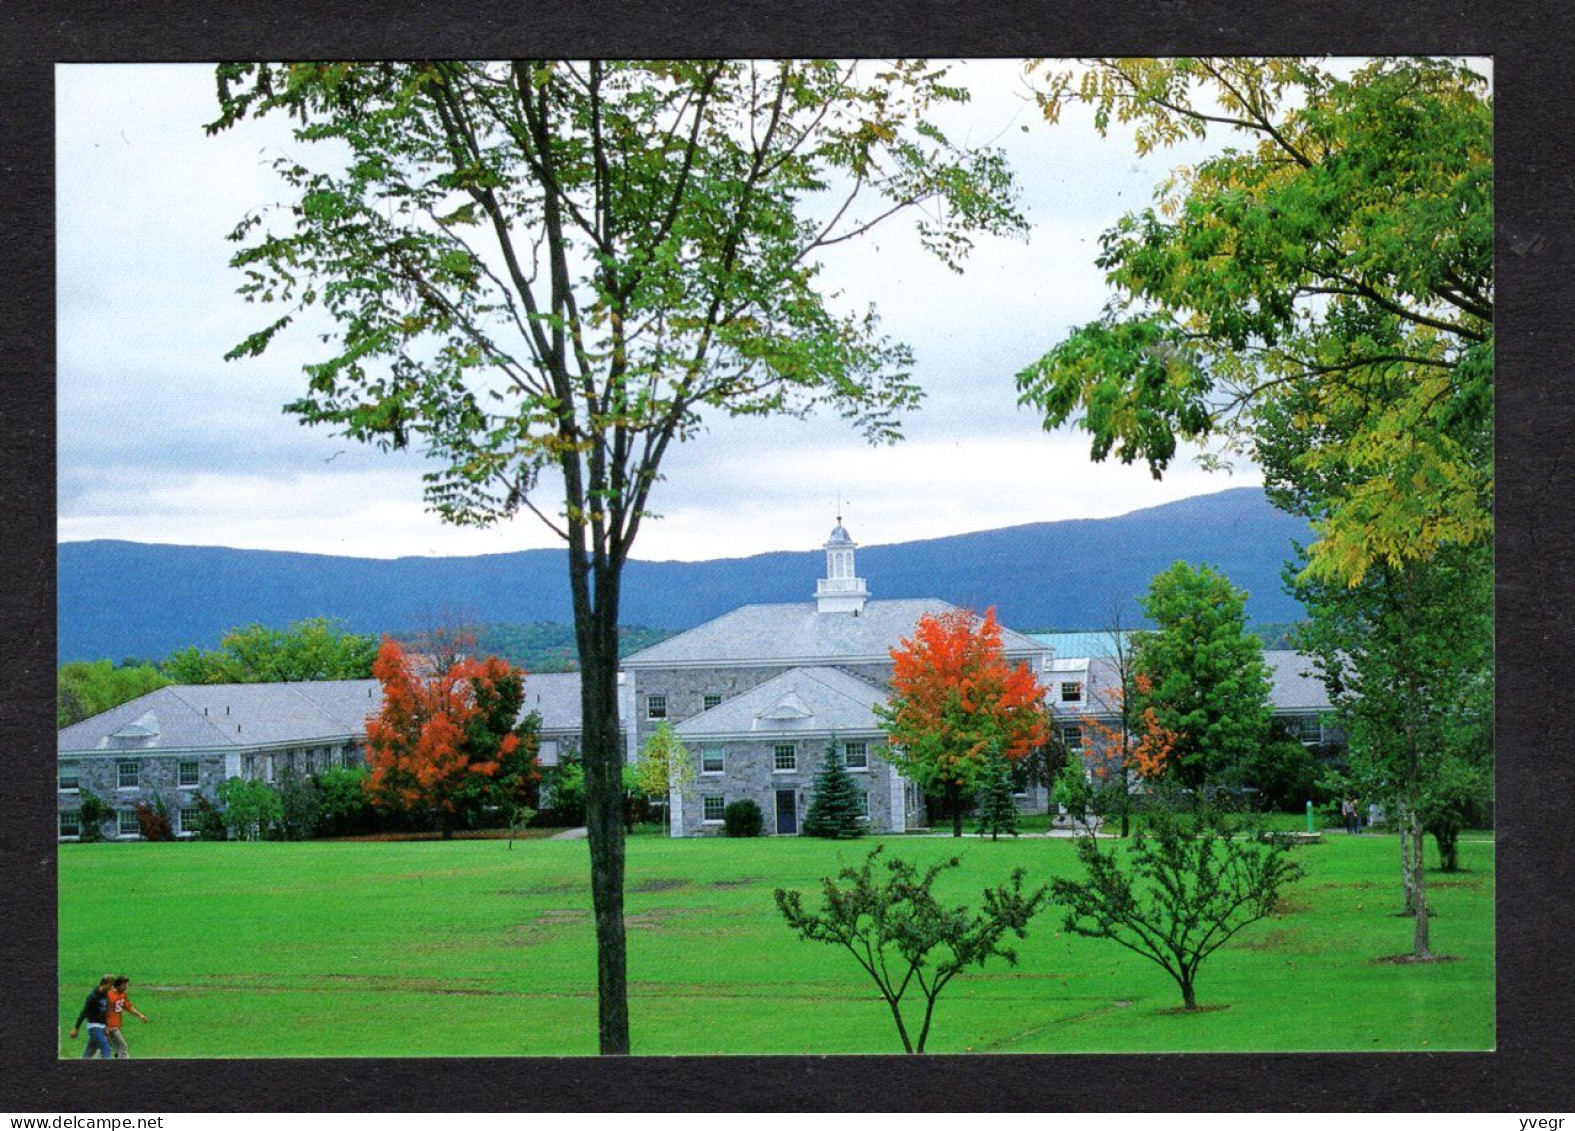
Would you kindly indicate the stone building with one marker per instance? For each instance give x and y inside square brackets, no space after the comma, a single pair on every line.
[180,742]
[756,695]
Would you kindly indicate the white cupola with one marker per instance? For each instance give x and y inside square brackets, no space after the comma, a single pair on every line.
[841,590]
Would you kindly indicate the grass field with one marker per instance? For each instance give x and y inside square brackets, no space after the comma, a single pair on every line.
[466,948]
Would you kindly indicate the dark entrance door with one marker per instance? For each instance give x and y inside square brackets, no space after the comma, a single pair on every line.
[787,812]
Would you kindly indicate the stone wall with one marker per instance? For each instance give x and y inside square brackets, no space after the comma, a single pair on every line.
[158,775]
[749,772]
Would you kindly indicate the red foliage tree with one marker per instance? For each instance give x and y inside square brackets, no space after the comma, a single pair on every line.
[426,747]
[954,697]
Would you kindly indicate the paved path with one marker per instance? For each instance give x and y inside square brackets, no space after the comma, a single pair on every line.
[571,834]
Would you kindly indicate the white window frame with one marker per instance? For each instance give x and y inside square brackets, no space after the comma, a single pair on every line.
[864,805]
[196,773]
[705,800]
[120,824]
[655,703]
[706,755]
[849,766]
[120,773]
[1077,691]
[181,827]
[776,758]
[1066,730]
[76,772]
[710,702]
[60,819]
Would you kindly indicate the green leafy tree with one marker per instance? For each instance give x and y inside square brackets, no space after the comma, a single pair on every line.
[1203,675]
[903,937]
[342,805]
[95,812]
[1074,792]
[547,270]
[209,824]
[564,785]
[252,809]
[1457,793]
[664,768]
[997,807]
[1179,893]
[300,811]
[90,687]
[836,807]
[316,648]
[1343,246]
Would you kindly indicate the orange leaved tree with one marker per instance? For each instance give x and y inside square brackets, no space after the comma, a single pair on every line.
[1124,740]
[953,698]
[442,735]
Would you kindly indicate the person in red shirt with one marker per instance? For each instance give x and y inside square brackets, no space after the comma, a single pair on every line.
[119,1006]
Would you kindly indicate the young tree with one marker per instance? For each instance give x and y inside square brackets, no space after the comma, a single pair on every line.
[317,648]
[1190,889]
[1206,681]
[953,698]
[664,768]
[1127,740]
[343,808]
[997,807]
[440,738]
[835,808]
[903,937]
[95,811]
[546,269]
[252,809]
[1346,248]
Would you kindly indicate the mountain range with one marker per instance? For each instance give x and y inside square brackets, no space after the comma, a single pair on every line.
[118,599]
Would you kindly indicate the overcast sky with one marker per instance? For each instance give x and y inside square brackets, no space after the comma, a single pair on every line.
[160,440]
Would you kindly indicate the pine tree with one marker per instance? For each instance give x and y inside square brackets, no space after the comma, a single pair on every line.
[836,809]
[997,809]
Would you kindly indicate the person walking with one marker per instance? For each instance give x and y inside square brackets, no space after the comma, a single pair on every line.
[1348,811]
[119,1006]
[95,1011]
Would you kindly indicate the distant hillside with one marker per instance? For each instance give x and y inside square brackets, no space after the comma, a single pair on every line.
[132,599]
[544,646]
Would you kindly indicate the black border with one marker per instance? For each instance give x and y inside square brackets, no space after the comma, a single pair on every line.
[1536,553]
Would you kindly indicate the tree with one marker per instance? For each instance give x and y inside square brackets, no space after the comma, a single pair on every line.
[153,820]
[95,811]
[440,738]
[343,808]
[1407,658]
[664,768]
[1204,675]
[252,808]
[300,812]
[1127,740]
[903,937]
[953,697]
[552,269]
[1346,250]
[87,688]
[1189,890]
[317,648]
[836,808]
[997,807]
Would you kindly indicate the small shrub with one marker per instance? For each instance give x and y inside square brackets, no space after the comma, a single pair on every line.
[743,818]
[94,813]
[209,824]
[153,821]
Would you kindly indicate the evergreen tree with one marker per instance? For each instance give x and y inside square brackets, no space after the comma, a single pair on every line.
[836,807]
[997,809]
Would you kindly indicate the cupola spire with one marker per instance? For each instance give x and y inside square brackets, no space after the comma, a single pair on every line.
[841,590]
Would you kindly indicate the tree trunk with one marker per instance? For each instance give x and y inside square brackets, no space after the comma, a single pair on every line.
[1403,825]
[1189,997]
[1419,941]
[954,797]
[603,757]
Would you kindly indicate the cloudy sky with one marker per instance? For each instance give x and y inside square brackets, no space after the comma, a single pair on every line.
[160,440]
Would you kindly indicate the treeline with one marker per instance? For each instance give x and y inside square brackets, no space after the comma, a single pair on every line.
[546,646]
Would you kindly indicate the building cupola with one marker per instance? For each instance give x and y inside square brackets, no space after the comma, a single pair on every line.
[841,590]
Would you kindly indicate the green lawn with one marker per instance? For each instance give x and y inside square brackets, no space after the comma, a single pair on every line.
[466,948]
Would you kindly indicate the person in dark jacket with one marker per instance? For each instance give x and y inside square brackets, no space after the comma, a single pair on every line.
[95,1011]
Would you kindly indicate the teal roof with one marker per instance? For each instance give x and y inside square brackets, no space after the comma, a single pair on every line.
[1075,645]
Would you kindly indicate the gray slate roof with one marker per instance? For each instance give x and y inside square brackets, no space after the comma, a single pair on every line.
[800,634]
[1293,684]
[245,715]
[813,700]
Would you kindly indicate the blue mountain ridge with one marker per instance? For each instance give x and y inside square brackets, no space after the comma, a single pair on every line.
[118,599]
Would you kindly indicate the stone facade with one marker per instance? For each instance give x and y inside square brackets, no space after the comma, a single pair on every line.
[749,772]
[157,777]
